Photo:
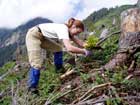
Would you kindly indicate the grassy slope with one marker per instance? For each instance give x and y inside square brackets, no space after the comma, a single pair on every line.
[49,83]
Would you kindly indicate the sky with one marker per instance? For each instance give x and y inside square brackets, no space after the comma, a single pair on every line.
[16,12]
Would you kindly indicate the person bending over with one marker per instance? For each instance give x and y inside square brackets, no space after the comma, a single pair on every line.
[52,36]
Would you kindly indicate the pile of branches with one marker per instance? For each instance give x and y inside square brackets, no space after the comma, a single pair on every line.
[104,87]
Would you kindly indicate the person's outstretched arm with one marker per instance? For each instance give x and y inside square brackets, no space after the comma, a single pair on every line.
[72,48]
[79,42]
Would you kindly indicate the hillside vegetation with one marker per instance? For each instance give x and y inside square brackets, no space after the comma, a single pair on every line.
[84,85]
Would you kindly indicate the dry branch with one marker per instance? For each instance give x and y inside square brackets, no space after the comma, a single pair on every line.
[67,74]
[84,102]
[128,77]
[91,90]
[131,67]
[48,102]
[4,75]
[71,91]
[95,101]
[92,63]
[8,91]
[101,41]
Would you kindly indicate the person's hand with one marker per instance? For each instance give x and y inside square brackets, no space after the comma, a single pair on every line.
[88,52]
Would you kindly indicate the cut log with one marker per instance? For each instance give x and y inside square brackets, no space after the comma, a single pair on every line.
[129,42]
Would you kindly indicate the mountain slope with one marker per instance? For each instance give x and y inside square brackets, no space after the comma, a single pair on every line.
[86,85]
[13,38]
[104,16]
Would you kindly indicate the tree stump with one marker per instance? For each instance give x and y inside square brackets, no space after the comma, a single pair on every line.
[129,42]
[138,4]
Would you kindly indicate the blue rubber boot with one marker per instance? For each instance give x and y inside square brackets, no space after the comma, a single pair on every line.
[34,75]
[58,60]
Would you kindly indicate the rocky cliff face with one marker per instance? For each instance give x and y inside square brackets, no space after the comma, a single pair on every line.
[11,40]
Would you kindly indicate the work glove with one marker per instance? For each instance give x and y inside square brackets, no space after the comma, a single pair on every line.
[88,52]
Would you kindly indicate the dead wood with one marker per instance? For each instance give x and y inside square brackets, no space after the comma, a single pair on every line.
[129,42]
[48,102]
[101,100]
[68,73]
[101,41]
[129,77]
[91,90]
[131,67]
[5,74]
